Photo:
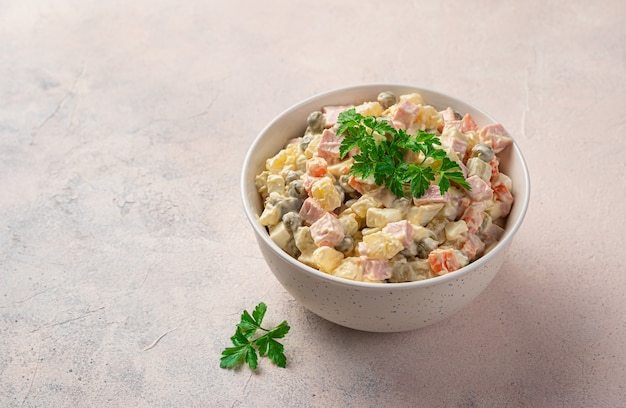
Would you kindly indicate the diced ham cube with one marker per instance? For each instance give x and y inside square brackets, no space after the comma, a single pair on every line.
[473,246]
[431,196]
[448,115]
[496,136]
[468,124]
[327,231]
[463,167]
[458,145]
[481,190]
[452,124]
[375,269]
[311,211]
[405,115]
[331,114]
[400,230]
[329,146]
[353,152]
[474,216]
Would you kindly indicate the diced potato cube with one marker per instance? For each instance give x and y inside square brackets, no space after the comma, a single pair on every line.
[293,150]
[280,235]
[455,229]
[341,168]
[313,145]
[260,182]
[364,202]
[270,216]
[348,222]
[452,132]
[277,163]
[423,214]
[419,233]
[306,257]
[326,258]
[381,245]
[413,98]
[349,268]
[301,163]
[478,167]
[275,183]
[473,138]
[367,231]
[495,209]
[369,109]
[304,240]
[325,193]
[430,117]
[379,217]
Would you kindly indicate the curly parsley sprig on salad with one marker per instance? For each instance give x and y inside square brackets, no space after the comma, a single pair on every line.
[383,149]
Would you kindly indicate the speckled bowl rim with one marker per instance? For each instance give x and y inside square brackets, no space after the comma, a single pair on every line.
[510,230]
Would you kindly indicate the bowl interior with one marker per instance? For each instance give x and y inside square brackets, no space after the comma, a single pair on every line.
[292,123]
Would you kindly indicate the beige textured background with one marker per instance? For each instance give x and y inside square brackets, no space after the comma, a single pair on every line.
[123,126]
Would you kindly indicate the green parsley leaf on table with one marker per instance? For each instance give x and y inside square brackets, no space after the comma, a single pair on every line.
[382,151]
[246,343]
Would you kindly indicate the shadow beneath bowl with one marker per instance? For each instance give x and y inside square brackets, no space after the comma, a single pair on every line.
[505,349]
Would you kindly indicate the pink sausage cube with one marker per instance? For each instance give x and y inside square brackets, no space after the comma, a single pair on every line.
[431,195]
[329,146]
[496,136]
[311,211]
[481,190]
[405,115]
[327,231]
[375,269]
[400,230]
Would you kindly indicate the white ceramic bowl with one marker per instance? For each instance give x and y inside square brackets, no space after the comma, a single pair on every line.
[377,307]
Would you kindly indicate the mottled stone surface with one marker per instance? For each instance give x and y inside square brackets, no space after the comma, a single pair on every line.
[123,126]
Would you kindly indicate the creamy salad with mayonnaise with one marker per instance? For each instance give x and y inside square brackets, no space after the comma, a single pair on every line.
[350,227]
